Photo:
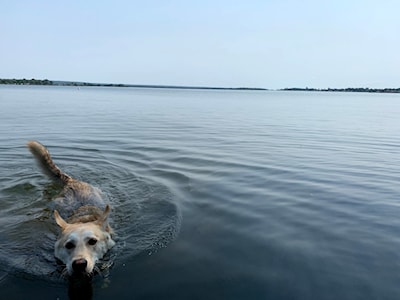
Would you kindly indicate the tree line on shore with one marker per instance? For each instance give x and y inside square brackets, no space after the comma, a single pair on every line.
[356,90]
[73,83]
[26,81]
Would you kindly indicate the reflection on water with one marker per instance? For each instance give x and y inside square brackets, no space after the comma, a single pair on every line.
[80,289]
[215,194]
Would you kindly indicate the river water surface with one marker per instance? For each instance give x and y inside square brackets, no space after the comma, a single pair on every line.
[215,194]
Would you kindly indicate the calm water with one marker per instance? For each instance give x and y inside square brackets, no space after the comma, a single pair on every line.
[216,194]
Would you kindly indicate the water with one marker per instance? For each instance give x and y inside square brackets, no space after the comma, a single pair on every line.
[215,194]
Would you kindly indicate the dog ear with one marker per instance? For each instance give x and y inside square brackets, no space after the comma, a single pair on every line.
[102,221]
[106,212]
[59,220]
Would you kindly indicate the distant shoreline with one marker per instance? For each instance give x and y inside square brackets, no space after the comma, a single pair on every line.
[154,86]
[88,84]
[348,90]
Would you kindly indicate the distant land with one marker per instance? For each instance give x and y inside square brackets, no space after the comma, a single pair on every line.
[353,90]
[79,84]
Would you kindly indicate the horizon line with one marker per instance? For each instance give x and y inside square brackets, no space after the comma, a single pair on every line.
[34,81]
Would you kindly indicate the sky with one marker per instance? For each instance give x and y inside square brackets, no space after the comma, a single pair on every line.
[267,43]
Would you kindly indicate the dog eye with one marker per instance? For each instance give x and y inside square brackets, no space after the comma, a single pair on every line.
[92,242]
[69,245]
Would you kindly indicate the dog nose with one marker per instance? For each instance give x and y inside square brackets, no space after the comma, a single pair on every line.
[79,265]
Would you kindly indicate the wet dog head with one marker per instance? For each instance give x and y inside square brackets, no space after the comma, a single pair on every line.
[81,245]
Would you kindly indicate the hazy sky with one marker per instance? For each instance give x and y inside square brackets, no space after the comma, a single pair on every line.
[266,43]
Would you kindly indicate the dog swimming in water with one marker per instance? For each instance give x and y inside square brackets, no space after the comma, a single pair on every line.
[86,235]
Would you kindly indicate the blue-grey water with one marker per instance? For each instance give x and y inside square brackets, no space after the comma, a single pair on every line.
[215,194]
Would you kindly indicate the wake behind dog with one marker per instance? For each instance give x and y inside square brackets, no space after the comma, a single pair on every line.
[86,235]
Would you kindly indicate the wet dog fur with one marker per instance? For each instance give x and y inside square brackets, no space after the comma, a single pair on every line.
[86,235]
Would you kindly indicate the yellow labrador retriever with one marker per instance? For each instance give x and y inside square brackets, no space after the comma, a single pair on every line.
[86,235]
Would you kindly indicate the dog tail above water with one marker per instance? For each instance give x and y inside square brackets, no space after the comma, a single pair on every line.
[45,162]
